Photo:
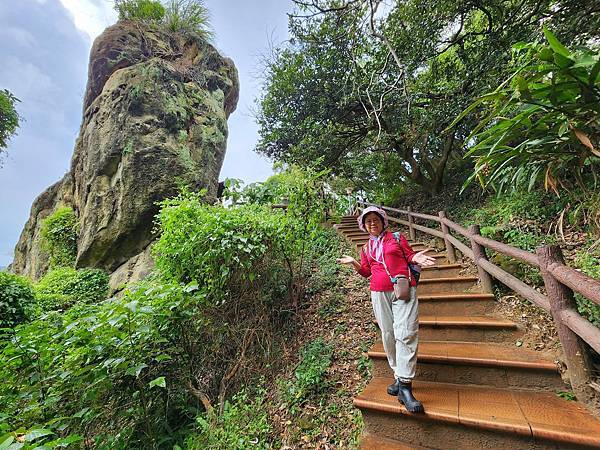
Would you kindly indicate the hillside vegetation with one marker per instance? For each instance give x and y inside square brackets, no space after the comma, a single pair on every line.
[247,334]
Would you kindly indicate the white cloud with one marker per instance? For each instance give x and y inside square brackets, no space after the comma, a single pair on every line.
[91,16]
[27,80]
[19,36]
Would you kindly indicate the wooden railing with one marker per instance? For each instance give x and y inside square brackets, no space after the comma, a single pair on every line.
[574,331]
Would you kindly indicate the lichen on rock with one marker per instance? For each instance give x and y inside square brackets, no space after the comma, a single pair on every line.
[154,118]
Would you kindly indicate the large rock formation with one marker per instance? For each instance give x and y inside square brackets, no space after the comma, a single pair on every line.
[154,118]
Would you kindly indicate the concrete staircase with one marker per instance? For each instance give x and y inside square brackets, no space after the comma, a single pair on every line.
[479,390]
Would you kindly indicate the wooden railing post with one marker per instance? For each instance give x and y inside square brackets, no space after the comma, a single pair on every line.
[411,230]
[449,247]
[479,253]
[561,298]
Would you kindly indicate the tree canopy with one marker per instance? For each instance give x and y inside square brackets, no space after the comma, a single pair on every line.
[9,118]
[369,89]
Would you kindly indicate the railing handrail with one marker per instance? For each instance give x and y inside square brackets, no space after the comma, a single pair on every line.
[567,276]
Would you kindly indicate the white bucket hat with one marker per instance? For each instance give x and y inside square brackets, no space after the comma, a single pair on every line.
[370,209]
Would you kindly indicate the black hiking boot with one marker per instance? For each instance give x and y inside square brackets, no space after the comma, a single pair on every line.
[393,388]
[405,396]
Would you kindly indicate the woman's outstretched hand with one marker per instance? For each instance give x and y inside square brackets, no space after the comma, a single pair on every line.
[422,259]
[345,259]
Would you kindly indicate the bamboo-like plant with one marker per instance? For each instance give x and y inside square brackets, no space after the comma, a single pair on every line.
[541,125]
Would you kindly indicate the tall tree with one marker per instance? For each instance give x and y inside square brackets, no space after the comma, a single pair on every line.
[368,89]
[9,118]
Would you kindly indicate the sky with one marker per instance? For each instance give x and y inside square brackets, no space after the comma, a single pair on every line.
[44,50]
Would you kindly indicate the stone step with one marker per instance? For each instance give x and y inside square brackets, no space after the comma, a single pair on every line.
[468,329]
[456,285]
[356,234]
[464,417]
[478,363]
[441,271]
[346,228]
[478,304]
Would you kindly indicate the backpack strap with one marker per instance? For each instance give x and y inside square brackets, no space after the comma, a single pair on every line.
[397,235]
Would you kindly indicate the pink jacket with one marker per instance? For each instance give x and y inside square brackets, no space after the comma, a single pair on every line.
[394,258]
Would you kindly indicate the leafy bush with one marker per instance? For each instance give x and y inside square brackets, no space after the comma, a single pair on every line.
[502,209]
[590,265]
[213,246]
[59,237]
[309,376]
[16,299]
[150,11]
[65,286]
[135,371]
[244,424]
[92,368]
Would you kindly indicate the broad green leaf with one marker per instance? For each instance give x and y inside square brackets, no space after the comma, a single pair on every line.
[36,433]
[594,73]
[6,440]
[562,61]
[160,382]
[136,370]
[555,43]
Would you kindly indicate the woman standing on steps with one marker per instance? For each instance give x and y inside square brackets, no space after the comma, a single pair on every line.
[398,320]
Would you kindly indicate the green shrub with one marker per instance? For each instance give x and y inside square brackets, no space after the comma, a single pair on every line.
[93,366]
[244,424]
[65,286]
[309,376]
[539,126]
[212,245]
[324,247]
[144,10]
[16,299]
[504,208]
[589,264]
[131,372]
[59,237]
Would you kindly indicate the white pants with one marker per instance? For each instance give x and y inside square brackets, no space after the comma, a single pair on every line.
[399,324]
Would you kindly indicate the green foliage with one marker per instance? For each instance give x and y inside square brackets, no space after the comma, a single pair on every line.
[150,11]
[309,376]
[520,219]
[567,395]
[541,124]
[64,286]
[213,246]
[16,299]
[188,16]
[59,237]
[373,99]
[244,424]
[589,264]
[502,209]
[91,368]
[126,372]
[365,366]
[127,148]
[9,117]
